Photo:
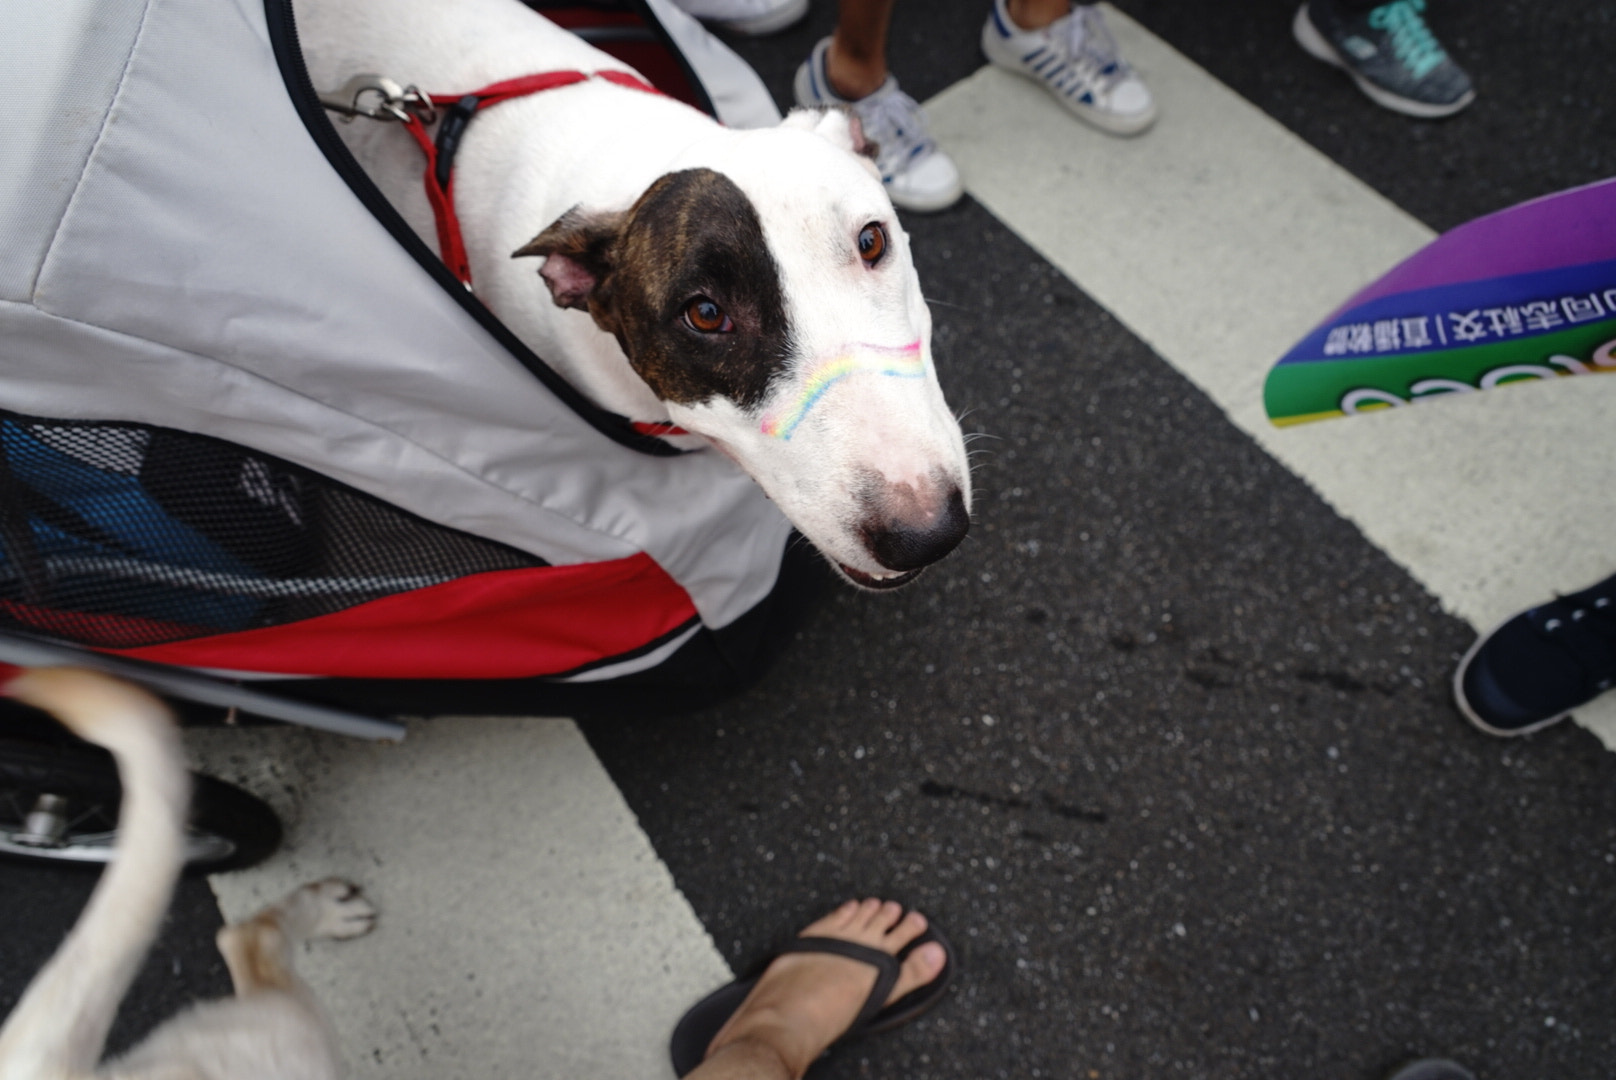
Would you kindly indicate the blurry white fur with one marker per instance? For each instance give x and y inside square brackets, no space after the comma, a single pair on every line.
[271,1030]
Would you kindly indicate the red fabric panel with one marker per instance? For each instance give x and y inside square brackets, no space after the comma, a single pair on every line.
[103,628]
[499,625]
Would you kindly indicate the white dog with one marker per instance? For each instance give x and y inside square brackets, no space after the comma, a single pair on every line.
[271,1030]
[753,288]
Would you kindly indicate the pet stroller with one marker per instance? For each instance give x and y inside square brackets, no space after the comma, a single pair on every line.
[259,447]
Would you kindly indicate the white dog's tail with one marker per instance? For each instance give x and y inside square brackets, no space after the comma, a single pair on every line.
[59,1028]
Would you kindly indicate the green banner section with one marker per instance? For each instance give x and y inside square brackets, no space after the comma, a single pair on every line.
[1298,392]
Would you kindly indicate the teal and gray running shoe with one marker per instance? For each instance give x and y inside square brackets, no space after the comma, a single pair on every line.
[1389,52]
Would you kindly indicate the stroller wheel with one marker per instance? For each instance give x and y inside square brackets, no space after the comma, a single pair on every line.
[59,804]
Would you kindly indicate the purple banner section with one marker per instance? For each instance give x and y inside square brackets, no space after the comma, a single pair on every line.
[1567,228]
[1484,312]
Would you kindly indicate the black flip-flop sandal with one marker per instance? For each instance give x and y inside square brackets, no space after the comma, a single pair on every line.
[696,1029]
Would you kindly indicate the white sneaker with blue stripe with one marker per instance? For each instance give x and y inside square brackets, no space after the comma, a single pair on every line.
[917,175]
[1076,59]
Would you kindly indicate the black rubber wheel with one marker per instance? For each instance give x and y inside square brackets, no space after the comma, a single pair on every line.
[229,828]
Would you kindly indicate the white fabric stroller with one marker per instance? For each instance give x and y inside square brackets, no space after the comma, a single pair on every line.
[250,425]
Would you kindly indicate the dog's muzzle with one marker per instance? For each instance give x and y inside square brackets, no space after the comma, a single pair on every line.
[906,529]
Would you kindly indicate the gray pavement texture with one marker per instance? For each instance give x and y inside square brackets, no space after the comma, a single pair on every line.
[1544,117]
[1165,748]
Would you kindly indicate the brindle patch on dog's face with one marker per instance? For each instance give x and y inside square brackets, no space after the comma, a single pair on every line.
[692,235]
[733,328]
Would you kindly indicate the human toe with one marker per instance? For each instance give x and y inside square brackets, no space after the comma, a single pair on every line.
[923,965]
[838,922]
[884,918]
[905,930]
[865,914]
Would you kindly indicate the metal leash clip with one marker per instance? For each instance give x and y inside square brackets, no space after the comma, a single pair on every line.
[379,98]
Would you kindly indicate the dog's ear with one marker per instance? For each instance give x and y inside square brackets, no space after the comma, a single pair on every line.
[578,254]
[841,126]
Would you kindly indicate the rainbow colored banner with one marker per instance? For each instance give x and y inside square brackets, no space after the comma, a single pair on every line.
[1527,293]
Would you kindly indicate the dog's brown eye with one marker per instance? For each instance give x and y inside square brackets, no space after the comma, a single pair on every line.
[872,243]
[704,315]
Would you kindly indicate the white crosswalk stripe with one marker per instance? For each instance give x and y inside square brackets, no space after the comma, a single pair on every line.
[1220,239]
[528,927]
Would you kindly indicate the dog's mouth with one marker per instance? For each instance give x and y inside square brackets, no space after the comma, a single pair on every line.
[878,581]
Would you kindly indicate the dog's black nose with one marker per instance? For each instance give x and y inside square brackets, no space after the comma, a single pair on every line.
[905,530]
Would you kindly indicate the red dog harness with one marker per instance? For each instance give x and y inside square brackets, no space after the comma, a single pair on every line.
[438,179]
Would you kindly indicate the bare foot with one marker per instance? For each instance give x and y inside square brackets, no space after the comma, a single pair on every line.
[805,1001]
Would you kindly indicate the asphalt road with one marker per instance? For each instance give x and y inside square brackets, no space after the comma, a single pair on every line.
[1166,747]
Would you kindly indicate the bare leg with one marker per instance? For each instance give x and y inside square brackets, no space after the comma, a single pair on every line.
[1036,14]
[856,62]
[805,1001]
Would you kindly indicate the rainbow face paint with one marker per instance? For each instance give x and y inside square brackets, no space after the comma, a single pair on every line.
[903,362]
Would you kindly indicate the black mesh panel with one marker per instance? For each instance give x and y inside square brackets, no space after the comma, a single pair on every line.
[121,535]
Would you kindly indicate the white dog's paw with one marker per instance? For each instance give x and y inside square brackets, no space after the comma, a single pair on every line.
[332,908]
